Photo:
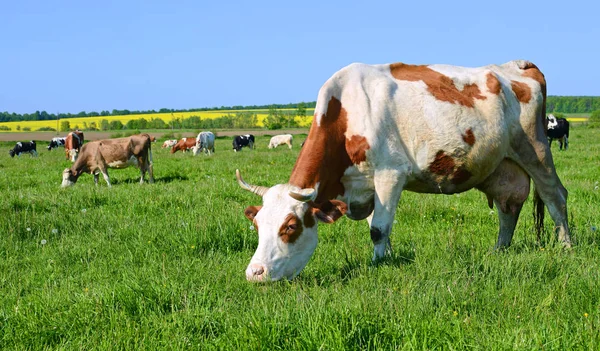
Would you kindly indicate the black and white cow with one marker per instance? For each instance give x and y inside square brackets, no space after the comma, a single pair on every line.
[243,140]
[23,147]
[558,128]
[56,142]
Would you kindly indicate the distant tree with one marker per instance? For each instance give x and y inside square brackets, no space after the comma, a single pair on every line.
[116,125]
[82,114]
[594,120]
[104,125]
[27,129]
[65,126]
[93,126]
[18,127]
[301,110]
[274,119]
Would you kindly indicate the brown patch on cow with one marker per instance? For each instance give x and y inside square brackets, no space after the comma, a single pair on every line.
[469,137]
[439,85]
[291,229]
[521,90]
[356,147]
[493,84]
[533,72]
[324,157]
[442,164]
[461,175]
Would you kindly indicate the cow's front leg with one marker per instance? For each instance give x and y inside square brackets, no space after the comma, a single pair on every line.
[388,188]
[106,178]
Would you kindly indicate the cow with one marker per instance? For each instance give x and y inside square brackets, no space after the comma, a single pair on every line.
[282,139]
[56,142]
[22,147]
[73,143]
[243,140]
[558,128]
[205,141]
[380,129]
[100,155]
[183,144]
[169,143]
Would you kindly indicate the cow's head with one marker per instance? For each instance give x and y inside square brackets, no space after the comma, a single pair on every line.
[287,229]
[11,152]
[69,177]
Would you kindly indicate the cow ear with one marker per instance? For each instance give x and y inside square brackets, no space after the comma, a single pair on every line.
[329,211]
[251,212]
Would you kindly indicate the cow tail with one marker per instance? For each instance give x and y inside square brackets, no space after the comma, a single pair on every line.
[538,214]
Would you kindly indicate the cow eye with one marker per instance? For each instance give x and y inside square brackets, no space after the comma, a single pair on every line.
[291,227]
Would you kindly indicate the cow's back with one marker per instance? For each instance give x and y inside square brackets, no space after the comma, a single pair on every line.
[443,124]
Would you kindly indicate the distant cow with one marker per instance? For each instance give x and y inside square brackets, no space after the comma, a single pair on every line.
[243,140]
[23,147]
[73,143]
[558,128]
[205,141]
[183,145]
[100,155]
[56,142]
[169,143]
[281,140]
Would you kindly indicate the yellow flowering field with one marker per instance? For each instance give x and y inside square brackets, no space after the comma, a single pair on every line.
[77,122]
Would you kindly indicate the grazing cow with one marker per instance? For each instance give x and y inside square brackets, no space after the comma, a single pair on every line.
[381,129]
[73,143]
[184,145]
[169,143]
[243,140]
[281,140]
[558,128]
[205,141]
[23,147]
[100,155]
[56,142]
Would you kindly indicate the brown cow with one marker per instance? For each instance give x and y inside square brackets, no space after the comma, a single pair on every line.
[100,155]
[184,144]
[73,143]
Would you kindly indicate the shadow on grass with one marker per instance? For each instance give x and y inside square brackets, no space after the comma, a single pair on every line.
[352,267]
[165,179]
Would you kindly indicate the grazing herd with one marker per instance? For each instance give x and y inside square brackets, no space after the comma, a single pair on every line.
[96,157]
[379,130]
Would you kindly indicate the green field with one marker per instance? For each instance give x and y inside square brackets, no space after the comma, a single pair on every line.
[161,266]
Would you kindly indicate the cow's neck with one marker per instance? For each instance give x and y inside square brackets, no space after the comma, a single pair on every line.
[323,158]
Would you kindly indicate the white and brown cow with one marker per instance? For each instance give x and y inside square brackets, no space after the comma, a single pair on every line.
[100,155]
[184,145]
[169,143]
[73,143]
[382,129]
[282,139]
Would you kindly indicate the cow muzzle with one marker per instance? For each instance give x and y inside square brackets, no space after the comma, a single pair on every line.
[256,272]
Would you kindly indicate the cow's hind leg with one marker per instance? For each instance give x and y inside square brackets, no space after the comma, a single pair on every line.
[388,188]
[538,163]
[508,188]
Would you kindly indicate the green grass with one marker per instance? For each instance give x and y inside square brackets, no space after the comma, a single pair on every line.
[161,266]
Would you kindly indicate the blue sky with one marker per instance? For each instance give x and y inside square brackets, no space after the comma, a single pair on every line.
[72,56]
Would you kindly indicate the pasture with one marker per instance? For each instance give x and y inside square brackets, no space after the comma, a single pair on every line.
[161,266]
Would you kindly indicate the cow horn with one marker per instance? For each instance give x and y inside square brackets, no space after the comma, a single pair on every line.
[256,189]
[306,195]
